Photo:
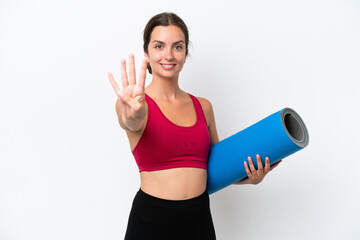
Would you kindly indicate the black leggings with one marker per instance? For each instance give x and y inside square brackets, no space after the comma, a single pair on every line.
[157,218]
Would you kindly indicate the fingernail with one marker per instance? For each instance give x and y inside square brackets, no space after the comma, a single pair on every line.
[257,155]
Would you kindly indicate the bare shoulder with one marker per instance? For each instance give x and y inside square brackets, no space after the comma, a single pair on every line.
[210,119]
[207,108]
[205,103]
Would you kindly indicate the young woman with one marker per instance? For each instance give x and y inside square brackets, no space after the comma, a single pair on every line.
[170,132]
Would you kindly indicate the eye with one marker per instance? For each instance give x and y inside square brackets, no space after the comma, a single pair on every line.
[158,46]
[178,47]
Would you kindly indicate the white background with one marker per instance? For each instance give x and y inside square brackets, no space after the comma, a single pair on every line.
[66,170]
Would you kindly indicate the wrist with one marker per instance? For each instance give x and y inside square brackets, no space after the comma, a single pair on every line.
[133,124]
[243,181]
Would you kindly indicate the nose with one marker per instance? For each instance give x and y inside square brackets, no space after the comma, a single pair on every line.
[169,56]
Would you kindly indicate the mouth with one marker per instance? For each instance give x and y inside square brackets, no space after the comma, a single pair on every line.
[167,66]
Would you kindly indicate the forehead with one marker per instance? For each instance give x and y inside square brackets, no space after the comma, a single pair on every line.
[167,34]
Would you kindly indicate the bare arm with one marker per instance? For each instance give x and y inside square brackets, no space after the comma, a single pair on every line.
[210,117]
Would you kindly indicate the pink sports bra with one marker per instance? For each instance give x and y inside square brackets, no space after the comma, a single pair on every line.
[165,145]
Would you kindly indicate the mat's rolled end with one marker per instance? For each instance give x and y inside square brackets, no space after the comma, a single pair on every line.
[295,127]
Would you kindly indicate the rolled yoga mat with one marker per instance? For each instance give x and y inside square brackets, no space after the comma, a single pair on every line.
[276,136]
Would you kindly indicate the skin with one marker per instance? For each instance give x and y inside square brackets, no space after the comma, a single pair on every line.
[167,46]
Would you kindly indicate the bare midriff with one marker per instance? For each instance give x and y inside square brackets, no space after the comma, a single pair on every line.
[175,183]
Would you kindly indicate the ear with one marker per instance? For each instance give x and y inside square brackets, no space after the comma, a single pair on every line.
[146,54]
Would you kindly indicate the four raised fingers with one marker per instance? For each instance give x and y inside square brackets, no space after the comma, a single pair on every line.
[132,75]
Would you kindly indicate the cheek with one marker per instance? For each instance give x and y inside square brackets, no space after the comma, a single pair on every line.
[155,57]
[180,57]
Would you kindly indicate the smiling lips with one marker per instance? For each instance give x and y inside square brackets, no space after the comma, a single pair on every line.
[167,66]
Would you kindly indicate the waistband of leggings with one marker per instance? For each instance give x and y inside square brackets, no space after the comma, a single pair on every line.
[173,203]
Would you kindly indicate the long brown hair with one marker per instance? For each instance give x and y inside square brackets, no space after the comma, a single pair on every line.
[164,19]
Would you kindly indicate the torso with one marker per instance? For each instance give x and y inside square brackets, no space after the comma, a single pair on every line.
[175,183]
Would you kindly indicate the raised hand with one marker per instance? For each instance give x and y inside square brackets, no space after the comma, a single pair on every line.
[132,96]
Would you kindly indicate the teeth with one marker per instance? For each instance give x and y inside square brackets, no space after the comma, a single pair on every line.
[167,65]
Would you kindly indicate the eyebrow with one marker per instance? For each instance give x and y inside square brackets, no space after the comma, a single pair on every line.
[173,43]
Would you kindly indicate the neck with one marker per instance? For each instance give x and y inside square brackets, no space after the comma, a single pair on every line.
[164,88]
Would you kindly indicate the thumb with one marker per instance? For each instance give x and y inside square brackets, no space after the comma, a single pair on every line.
[275,165]
[132,102]
[139,98]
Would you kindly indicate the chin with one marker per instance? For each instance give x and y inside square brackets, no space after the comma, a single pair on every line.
[168,76]
[165,74]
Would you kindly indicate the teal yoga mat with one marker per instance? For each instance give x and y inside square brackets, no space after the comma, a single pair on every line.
[276,136]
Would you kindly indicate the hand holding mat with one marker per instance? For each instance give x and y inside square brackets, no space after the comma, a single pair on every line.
[276,136]
[255,176]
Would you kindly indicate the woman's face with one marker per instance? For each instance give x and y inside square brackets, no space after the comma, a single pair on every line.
[167,51]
